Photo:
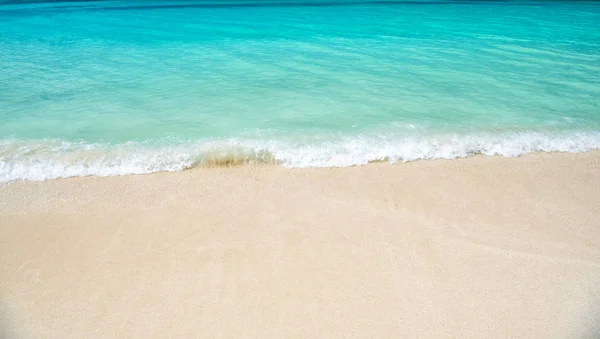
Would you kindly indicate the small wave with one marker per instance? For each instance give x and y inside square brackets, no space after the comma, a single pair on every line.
[50,159]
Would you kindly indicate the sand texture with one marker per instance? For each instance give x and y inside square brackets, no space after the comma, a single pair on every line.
[484,247]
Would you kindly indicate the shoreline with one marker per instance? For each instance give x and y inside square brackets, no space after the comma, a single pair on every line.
[484,246]
[44,159]
[238,164]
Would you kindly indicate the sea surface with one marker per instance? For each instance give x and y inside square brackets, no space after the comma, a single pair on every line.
[122,87]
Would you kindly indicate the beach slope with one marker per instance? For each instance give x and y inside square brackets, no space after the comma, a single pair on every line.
[483,247]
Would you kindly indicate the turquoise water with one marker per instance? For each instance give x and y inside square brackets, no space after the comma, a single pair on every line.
[119,87]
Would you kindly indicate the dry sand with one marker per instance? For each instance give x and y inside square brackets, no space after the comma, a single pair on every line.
[485,247]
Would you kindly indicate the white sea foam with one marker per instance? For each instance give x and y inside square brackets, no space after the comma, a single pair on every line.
[49,159]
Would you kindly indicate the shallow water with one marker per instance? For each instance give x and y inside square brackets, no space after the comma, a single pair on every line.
[119,87]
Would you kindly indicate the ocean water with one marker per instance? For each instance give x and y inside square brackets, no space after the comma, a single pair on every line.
[122,87]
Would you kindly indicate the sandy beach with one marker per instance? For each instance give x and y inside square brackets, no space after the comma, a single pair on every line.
[483,247]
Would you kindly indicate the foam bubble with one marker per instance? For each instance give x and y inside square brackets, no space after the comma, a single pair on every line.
[49,159]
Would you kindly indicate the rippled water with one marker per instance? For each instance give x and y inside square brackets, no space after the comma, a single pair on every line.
[118,87]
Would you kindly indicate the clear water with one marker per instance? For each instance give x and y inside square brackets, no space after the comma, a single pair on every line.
[119,87]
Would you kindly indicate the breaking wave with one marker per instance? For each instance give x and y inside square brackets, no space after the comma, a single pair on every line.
[49,159]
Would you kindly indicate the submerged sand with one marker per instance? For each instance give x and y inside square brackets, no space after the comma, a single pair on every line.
[484,247]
